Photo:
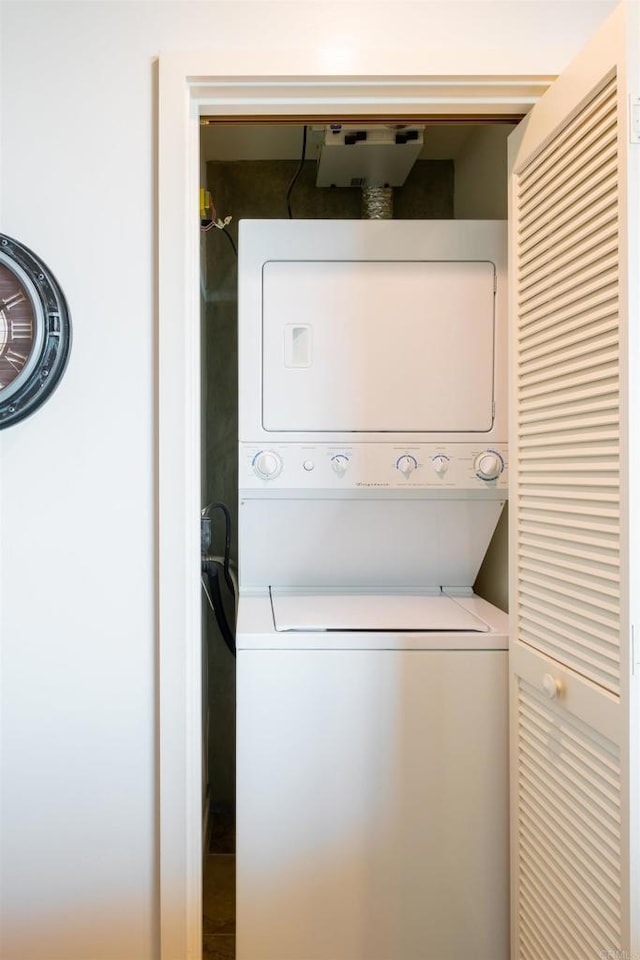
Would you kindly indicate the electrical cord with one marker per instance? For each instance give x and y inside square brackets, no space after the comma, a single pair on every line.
[219,505]
[297,173]
[231,241]
[234,579]
[212,226]
[211,567]
[214,596]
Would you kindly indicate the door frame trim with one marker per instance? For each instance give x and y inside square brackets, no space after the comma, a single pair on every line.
[188,90]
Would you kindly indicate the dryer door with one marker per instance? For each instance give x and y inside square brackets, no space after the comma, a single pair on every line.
[374,346]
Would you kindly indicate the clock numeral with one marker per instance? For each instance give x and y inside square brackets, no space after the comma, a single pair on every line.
[17,360]
[21,329]
[14,300]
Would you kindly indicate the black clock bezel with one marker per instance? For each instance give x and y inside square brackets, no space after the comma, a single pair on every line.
[52,339]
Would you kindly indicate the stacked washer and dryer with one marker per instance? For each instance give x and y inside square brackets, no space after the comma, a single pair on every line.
[372,755]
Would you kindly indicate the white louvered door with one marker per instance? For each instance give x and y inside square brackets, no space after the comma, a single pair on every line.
[574,266]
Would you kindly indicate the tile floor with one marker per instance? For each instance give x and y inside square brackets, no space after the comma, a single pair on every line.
[219,895]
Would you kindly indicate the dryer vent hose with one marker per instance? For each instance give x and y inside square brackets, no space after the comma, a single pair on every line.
[377,203]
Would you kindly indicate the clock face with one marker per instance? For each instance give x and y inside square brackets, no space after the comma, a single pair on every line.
[18,330]
[35,332]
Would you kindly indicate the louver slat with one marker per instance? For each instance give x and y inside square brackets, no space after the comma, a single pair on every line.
[561,571]
[553,254]
[568,834]
[565,232]
[540,341]
[600,286]
[559,410]
[555,551]
[567,246]
[603,303]
[588,200]
[576,132]
[559,267]
[568,428]
[575,191]
[594,379]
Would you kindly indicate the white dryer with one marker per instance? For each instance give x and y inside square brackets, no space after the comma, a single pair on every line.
[372,795]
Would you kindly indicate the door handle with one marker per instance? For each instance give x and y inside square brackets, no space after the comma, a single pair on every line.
[551,686]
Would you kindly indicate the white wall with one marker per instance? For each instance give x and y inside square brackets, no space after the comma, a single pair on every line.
[481,175]
[77,545]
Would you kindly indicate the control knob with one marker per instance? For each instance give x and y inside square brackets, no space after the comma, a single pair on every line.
[406,464]
[339,464]
[440,463]
[267,465]
[488,465]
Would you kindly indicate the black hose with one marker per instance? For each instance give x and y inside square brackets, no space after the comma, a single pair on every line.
[210,567]
[219,505]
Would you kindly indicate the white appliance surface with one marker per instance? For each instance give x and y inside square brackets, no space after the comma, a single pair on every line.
[438,469]
[362,541]
[372,792]
[361,329]
[366,612]
[257,630]
[372,754]
[386,345]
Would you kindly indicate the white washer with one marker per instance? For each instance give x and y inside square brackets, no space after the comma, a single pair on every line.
[372,726]
[372,794]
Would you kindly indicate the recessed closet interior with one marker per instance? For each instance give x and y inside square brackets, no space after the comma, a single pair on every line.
[248,169]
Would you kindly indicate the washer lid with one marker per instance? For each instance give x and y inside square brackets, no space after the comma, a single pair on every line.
[416,613]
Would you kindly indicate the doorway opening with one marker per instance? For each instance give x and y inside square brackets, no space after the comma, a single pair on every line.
[266,169]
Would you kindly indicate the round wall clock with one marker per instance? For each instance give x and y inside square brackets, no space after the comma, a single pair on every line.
[35,332]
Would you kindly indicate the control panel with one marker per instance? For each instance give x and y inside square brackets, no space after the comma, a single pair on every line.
[370,466]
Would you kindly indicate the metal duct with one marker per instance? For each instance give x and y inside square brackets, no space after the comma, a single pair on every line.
[377,203]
